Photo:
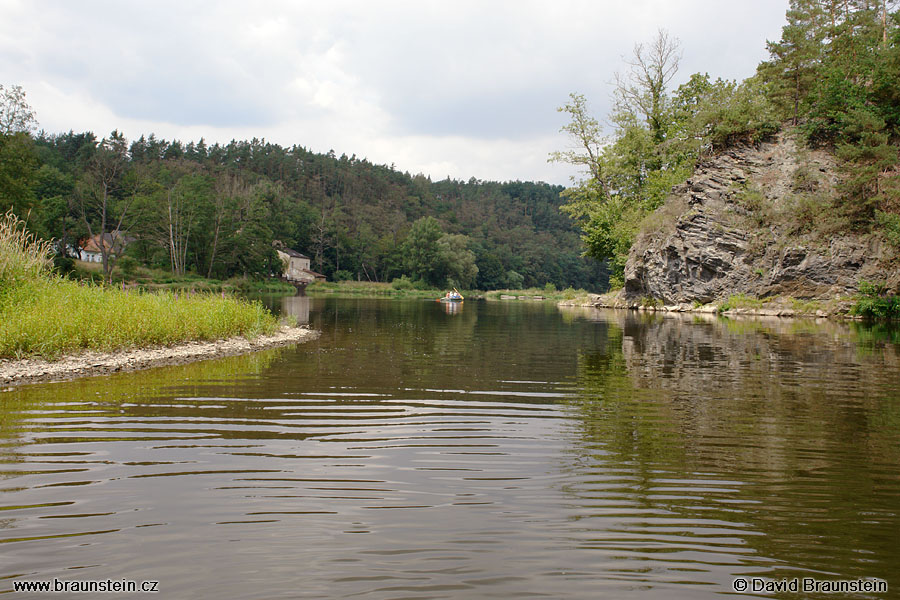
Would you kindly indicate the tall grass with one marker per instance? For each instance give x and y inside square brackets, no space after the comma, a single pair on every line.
[41,314]
[23,257]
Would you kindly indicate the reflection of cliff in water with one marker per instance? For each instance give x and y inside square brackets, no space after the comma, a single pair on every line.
[785,428]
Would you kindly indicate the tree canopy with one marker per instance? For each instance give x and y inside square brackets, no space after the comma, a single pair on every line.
[216,209]
[834,74]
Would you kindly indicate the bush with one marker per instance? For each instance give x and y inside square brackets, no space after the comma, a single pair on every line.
[875,303]
[129,265]
[405,283]
[514,281]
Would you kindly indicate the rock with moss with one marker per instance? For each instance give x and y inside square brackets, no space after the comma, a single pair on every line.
[753,220]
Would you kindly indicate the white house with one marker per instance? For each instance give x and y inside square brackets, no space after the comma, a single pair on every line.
[296,267]
[114,243]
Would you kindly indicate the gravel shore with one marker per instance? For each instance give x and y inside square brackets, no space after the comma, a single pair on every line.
[86,364]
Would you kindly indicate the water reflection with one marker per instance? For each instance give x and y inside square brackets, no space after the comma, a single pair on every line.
[767,446]
[504,450]
[452,308]
[296,306]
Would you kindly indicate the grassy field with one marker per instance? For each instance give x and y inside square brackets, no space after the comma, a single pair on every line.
[44,315]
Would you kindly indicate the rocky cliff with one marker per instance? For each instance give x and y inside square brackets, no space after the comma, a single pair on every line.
[745,223]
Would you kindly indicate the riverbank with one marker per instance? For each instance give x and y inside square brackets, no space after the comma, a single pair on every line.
[737,304]
[47,316]
[403,288]
[92,363]
[154,280]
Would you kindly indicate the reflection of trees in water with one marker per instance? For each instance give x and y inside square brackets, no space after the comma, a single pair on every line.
[409,343]
[802,419]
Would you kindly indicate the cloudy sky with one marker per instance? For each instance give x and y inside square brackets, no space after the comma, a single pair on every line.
[461,88]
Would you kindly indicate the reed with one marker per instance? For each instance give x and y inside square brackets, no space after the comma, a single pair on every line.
[23,257]
[41,314]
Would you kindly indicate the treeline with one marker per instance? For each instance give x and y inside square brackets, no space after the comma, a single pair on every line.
[216,209]
[833,75]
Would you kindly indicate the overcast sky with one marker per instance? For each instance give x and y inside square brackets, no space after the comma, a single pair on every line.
[459,88]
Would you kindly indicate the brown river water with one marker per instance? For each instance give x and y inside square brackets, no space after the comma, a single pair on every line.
[494,450]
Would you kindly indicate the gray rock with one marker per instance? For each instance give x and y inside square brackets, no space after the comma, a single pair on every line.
[718,247]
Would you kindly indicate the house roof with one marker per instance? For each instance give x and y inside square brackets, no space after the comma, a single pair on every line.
[113,240]
[292,253]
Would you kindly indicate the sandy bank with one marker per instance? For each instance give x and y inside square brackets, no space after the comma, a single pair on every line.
[86,364]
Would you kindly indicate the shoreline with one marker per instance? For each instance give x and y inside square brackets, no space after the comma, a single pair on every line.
[14,372]
[837,310]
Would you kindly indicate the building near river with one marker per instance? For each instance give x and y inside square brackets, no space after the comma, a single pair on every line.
[296,267]
[114,243]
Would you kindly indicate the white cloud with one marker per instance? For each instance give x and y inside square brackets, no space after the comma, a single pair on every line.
[462,89]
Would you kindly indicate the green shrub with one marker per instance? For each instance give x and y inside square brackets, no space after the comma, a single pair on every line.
[890,227]
[874,302]
[405,283]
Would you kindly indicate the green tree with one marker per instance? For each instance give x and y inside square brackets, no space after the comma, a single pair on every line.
[642,90]
[18,162]
[795,58]
[421,253]
[16,115]
[105,194]
[456,262]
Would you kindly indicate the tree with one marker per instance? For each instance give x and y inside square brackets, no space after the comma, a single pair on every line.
[587,135]
[18,163]
[18,167]
[421,253]
[16,116]
[796,56]
[456,261]
[642,90]
[631,173]
[229,189]
[105,196]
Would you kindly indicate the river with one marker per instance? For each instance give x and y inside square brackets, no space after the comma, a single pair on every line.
[492,450]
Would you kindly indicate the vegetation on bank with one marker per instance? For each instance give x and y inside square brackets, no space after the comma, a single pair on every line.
[372,289]
[215,211]
[44,315]
[548,292]
[874,302]
[832,78]
[130,274]
[404,288]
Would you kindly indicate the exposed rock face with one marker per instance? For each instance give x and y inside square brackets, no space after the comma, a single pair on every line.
[720,246]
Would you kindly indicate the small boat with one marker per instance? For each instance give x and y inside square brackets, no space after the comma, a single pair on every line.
[453,296]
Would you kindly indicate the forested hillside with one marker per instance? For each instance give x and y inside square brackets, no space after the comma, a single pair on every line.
[832,82]
[216,209]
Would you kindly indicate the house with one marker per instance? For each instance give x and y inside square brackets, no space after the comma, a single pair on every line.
[296,267]
[114,243]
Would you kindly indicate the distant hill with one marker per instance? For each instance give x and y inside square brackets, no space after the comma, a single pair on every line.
[215,210]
